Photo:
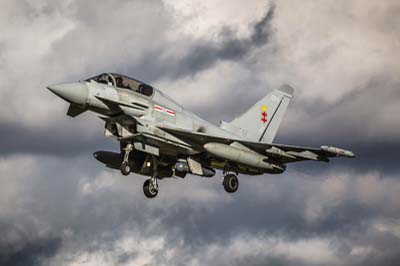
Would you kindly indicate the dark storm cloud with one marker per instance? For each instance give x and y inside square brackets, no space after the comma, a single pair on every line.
[201,55]
[204,54]
[31,253]
[54,142]
[370,156]
[270,207]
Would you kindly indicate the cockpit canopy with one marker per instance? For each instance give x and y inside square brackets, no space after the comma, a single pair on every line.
[124,82]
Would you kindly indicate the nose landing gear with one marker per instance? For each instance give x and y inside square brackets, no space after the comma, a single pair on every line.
[125,166]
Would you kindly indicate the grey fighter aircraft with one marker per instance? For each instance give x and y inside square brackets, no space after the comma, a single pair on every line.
[160,139]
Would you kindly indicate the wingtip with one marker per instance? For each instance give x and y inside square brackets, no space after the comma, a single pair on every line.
[287,89]
[338,151]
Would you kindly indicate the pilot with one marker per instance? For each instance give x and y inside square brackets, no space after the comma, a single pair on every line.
[119,82]
[110,81]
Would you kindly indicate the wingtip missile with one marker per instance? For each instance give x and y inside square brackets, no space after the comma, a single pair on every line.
[338,151]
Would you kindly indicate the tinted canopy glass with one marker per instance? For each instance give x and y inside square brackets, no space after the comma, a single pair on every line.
[124,82]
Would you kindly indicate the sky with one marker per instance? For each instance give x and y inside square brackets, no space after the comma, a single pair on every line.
[59,206]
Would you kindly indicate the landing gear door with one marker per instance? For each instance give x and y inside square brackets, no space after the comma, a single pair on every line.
[140,146]
[195,166]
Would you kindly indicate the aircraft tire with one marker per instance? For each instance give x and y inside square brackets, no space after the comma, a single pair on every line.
[231,183]
[125,169]
[149,190]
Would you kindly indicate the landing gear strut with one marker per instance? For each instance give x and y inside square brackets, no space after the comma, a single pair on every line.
[125,166]
[150,186]
[230,180]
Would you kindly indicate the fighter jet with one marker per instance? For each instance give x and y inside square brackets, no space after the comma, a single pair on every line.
[160,139]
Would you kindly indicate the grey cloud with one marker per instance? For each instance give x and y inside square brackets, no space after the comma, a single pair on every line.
[71,40]
[52,142]
[231,48]
[31,253]
[199,55]
[83,202]
[51,139]
[206,54]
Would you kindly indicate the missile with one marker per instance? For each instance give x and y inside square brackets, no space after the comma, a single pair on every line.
[276,152]
[337,151]
[243,156]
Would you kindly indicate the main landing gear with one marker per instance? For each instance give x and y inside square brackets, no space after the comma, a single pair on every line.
[230,180]
[150,186]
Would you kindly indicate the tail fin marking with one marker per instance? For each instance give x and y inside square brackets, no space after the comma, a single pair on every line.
[257,124]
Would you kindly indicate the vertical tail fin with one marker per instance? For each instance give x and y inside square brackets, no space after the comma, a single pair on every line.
[262,120]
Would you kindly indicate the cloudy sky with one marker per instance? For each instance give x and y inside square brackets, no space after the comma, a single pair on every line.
[58,206]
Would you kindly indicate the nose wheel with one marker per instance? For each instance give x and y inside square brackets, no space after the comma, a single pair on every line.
[125,166]
[125,169]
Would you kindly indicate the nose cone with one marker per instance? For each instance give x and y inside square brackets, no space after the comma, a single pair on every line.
[71,92]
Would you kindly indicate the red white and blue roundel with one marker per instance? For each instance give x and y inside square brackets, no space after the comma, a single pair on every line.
[264,114]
